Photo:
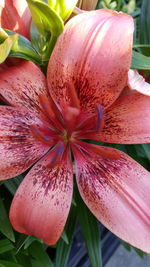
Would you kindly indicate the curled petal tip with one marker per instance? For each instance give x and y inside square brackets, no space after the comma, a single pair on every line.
[138,83]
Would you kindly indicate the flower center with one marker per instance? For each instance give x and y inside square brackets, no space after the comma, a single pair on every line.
[59,129]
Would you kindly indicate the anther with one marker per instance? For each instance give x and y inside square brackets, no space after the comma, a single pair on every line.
[100,118]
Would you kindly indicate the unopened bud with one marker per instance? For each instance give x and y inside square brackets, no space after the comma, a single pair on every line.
[87,4]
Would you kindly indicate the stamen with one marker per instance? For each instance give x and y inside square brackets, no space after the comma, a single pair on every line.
[57,157]
[91,124]
[51,111]
[44,134]
[100,118]
[47,138]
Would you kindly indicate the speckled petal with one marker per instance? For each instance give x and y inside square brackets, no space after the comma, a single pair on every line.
[22,84]
[15,16]
[127,121]
[18,148]
[117,192]
[92,58]
[42,202]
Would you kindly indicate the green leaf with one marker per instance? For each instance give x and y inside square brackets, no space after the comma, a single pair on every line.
[63,7]
[29,240]
[90,231]
[25,241]
[5,245]
[144,32]
[38,41]
[126,245]
[5,226]
[140,61]
[3,35]
[45,18]
[141,45]
[12,184]
[6,47]
[9,264]
[134,151]
[23,259]
[20,242]
[65,238]
[140,253]
[146,148]
[40,256]
[23,48]
[63,249]
[16,45]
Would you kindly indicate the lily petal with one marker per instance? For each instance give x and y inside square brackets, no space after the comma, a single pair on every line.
[91,58]
[127,121]
[21,85]
[15,16]
[116,190]
[42,202]
[138,83]
[18,147]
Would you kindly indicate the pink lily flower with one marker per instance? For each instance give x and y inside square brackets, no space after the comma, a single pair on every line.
[87,73]
[15,16]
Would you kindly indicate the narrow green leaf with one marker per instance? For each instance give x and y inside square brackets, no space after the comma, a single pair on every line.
[126,245]
[141,45]
[146,148]
[140,61]
[144,32]
[20,242]
[5,226]
[38,253]
[12,184]
[136,13]
[30,240]
[23,242]
[65,238]
[9,264]
[63,249]
[6,47]
[5,245]
[90,231]
[140,253]
[24,259]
